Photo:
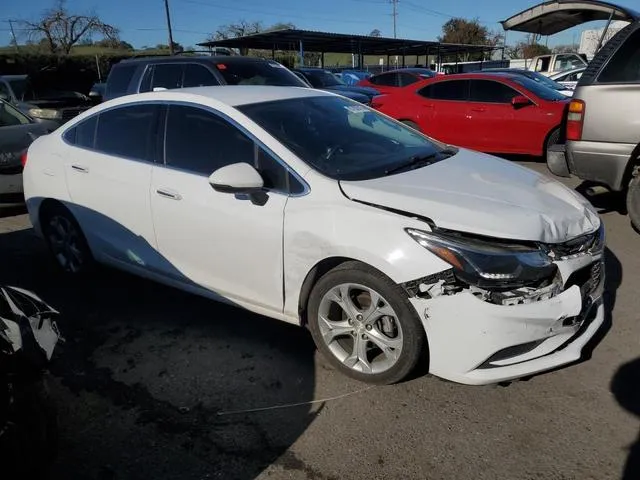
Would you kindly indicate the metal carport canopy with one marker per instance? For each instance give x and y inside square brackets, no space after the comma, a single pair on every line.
[290,39]
[551,17]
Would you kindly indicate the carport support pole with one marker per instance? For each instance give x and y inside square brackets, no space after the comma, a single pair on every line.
[322,59]
[604,32]
[273,52]
[301,54]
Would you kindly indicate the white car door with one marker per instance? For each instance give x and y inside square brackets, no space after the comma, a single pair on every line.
[228,244]
[108,169]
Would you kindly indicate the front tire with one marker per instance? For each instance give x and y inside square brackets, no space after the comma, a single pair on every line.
[66,241]
[364,325]
[633,201]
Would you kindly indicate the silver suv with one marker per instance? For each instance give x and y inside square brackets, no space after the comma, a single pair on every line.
[603,122]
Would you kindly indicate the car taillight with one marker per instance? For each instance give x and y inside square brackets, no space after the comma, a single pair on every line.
[575,120]
[23,159]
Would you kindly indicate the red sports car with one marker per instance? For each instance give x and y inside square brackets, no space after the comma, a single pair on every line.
[393,80]
[497,113]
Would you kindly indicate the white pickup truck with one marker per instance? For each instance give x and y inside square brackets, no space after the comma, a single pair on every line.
[554,63]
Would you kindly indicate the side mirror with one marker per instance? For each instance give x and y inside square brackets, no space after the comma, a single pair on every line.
[520,101]
[236,178]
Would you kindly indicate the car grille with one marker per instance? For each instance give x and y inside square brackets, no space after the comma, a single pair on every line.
[587,278]
[69,113]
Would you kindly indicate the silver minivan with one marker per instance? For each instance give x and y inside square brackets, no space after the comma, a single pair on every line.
[602,122]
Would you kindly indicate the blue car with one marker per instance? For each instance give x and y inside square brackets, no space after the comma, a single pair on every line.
[325,80]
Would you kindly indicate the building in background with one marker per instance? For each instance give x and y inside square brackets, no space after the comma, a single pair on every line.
[589,38]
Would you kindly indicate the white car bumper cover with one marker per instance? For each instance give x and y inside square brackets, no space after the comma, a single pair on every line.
[475,342]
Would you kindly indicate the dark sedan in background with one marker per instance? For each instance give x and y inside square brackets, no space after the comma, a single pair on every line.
[17,131]
[325,80]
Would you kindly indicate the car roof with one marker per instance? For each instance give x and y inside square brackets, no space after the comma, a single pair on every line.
[408,70]
[228,59]
[472,75]
[231,95]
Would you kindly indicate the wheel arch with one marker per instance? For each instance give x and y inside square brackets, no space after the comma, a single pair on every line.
[632,164]
[558,128]
[317,271]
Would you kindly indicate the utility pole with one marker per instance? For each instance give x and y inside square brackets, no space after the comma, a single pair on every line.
[394,15]
[13,34]
[166,7]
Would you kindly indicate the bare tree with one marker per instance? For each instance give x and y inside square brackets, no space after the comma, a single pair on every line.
[243,28]
[62,29]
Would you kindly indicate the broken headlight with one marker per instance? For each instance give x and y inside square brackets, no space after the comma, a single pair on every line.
[486,263]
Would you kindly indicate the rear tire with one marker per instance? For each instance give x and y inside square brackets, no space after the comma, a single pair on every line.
[633,201]
[364,324]
[552,139]
[66,241]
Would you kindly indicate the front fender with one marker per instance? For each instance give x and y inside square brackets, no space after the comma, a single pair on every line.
[317,230]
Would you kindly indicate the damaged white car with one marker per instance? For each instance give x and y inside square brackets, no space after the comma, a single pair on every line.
[310,208]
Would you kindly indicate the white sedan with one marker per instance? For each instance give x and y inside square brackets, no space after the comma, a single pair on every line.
[569,78]
[312,209]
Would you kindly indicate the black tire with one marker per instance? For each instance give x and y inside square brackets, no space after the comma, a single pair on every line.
[633,202]
[552,139]
[58,213]
[414,341]
[411,124]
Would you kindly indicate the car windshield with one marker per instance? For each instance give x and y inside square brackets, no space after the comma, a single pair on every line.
[19,86]
[538,89]
[10,116]
[544,80]
[322,78]
[258,73]
[343,139]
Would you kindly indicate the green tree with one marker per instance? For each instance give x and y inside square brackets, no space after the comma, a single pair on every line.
[375,33]
[468,32]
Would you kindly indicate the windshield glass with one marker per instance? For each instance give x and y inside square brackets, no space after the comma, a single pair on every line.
[544,80]
[539,89]
[258,73]
[341,139]
[322,79]
[19,86]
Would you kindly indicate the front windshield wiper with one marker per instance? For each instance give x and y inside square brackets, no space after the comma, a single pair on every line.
[422,160]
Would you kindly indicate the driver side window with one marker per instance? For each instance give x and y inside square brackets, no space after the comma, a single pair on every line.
[200,142]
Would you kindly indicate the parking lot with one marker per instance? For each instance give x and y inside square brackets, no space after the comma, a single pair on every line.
[155,383]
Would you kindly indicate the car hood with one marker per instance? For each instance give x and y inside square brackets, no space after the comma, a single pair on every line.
[480,194]
[368,91]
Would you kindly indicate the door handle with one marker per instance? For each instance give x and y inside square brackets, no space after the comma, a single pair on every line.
[479,109]
[80,168]
[427,106]
[168,194]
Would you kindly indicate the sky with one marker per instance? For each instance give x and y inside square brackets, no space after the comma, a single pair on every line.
[142,22]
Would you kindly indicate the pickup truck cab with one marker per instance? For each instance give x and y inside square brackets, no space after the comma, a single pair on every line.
[557,62]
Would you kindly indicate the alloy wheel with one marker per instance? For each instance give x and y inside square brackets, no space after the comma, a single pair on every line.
[66,243]
[360,328]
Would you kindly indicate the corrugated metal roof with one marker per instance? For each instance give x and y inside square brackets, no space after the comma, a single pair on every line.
[312,41]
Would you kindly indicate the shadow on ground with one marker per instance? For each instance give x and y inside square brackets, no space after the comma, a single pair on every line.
[625,386]
[152,382]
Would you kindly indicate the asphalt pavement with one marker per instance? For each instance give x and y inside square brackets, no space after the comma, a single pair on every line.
[153,383]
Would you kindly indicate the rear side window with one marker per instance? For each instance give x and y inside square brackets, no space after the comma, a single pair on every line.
[258,73]
[198,76]
[407,79]
[127,131]
[487,91]
[167,76]
[386,79]
[624,66]
[83,134]
[119,79]
[447,90]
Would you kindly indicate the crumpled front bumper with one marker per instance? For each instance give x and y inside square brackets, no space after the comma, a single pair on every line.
[475,342]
